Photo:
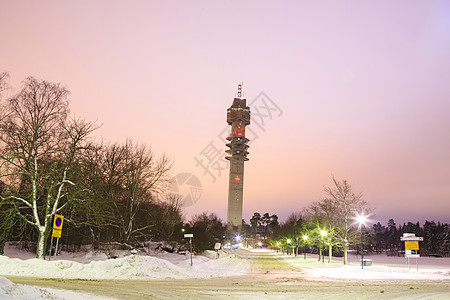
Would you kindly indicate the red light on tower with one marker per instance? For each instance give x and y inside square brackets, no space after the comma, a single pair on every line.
[237,179]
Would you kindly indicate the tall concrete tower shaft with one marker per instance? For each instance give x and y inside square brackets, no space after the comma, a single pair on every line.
[238,116]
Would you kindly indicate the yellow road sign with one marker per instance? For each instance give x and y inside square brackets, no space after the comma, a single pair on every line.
[58,222]
[411,245]
[56,233]
[57,225]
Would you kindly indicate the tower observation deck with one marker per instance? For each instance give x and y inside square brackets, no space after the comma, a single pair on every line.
[238,116]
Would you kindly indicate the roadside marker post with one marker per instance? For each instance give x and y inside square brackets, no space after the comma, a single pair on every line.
[190,236]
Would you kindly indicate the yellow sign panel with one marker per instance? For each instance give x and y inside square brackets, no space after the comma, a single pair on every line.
[58,222]
[411,245]
[56,233]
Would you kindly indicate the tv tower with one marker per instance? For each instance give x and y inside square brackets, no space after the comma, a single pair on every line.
[238,116]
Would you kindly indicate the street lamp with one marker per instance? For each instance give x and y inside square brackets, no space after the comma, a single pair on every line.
[323,233]
[305,238]
[288,242]
[238,238]
[361,220]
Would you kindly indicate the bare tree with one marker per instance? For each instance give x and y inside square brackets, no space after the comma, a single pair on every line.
[337,213]
[129,179]
[40,145]
[4,76]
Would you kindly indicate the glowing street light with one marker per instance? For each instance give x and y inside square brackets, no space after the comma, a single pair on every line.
[305,238]
[288,241]
[323,233]
[238,238]
[362,220]
[279,247]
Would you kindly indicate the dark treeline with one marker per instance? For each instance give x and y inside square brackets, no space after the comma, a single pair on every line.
[436,238]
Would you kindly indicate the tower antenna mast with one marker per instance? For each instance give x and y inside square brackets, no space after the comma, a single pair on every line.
[239,93]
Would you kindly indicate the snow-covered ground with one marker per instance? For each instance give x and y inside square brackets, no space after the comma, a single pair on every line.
[153,264]
[383,268]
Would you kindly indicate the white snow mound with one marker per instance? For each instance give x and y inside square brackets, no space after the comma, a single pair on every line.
[130,267]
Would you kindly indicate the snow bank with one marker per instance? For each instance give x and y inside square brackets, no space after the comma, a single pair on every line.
[9,290]
[135,267]
[129,267]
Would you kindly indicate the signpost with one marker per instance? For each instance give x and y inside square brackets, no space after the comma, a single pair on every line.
[56,232]
[217,247]
[190,236]
[411,247]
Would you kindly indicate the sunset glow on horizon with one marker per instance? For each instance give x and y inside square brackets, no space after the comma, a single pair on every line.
[355,89]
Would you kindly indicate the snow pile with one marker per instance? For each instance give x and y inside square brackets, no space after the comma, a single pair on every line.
[129,267]
[9,290]
[135,267]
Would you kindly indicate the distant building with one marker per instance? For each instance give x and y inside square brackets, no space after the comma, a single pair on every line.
[238,116]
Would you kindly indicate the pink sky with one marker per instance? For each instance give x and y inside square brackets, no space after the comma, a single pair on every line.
[363,87]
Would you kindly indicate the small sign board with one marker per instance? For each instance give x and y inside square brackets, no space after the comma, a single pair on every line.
[188,235]
[217,246]
[58,222]
[56,233]
[412,255]
[411,245]
[57,226]
[416,238]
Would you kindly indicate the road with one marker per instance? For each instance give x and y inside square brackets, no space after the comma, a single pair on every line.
[268,278]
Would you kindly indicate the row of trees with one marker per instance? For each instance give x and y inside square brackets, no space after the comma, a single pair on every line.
[297,232]
[330,221]
[50,164]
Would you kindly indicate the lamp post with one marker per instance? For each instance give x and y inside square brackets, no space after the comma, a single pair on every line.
[288,241]
[305,238]
[323,233]
[362,220]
